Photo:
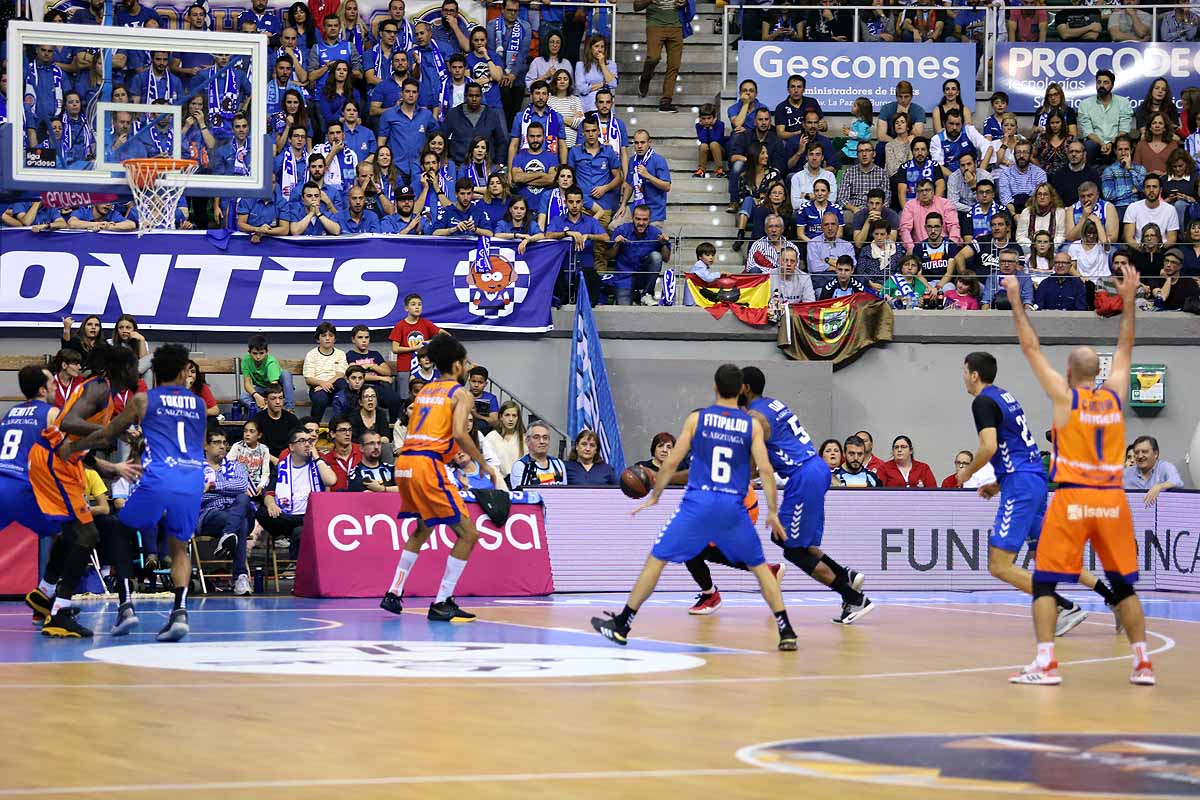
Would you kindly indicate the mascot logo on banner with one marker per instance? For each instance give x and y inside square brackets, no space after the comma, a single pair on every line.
[491,282]
[833,322]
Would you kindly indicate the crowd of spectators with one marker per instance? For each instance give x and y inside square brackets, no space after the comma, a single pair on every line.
[432,127]
[1069,194]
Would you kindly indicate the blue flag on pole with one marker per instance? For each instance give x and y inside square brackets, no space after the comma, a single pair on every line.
[589,398]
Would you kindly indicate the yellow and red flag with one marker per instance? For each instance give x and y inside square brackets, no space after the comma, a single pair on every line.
[746,296]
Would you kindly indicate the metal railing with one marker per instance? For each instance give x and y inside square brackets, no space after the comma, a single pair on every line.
[529,413]
[994,19]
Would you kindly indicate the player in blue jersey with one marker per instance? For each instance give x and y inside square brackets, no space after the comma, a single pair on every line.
[722,440]
[1006,441]
[792,456]
[172,419]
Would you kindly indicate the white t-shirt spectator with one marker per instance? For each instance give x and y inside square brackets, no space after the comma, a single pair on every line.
[1140,215]
[324,367]
[1091,263]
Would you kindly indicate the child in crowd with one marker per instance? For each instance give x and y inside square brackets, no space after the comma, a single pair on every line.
[324,370]
[706,256]
[486,413]
[410,335]
[992,129]
[859,130]
[346,400]
[252,454]
[424,370]
[260,369]
[964,296]
[710,138]
[378,371]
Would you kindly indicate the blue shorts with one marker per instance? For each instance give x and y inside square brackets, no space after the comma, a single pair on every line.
[178,510]
[704,517]
[1022,507]
[18,504]
[802,510]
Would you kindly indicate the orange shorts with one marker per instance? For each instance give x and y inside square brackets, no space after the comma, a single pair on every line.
[59,486]
[1077,516]
[751,503]
[426,491]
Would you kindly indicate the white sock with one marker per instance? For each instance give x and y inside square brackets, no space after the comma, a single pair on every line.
[405,566]
[59,605]
[454,568]
[1139,653]
[47,589]
[1045,654]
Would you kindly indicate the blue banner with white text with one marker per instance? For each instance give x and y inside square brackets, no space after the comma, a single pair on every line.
[181,280]
[589,397]
[838,73]
[1025,70]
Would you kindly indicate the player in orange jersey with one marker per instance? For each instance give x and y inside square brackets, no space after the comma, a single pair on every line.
[439,423]
[58,479]
[1089,504]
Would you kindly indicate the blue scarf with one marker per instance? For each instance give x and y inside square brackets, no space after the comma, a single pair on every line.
[439,65]
[512,50]
[164,145]
[68,136]
[291,172]
[222,104]
[31,84]
[635,179]
[555,207]
[154,91]
[283,481]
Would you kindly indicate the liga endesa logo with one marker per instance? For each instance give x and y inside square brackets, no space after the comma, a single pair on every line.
[520,532]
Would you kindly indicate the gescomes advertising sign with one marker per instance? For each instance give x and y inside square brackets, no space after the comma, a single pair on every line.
[836,74]
[1024,71]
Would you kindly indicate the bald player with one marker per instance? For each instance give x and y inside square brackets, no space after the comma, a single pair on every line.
[1089,504]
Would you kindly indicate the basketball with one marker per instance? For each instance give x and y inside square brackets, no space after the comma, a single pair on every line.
[635,483]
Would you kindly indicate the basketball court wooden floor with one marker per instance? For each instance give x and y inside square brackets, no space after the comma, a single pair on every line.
[278,698]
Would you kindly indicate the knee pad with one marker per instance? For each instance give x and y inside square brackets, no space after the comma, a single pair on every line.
[1043,589]
[1121,590]
[802,559]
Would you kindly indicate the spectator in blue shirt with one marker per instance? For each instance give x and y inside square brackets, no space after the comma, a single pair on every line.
[333,48]
[405,128]
[531,170]
[451,31]
[510,37]
[994,295]
[649,179]
[584,466]
[741,112]
[233,157]
[77,145]
[430,63]
[639,249]
[264,19]
[389,91]
[259,217]
[1061,291]
[359,139]
[357,218]
[486,412]
[912,172]
[100,217]
[584,231]
[597,172]
[132,14]
[539,111]
[464,123]
[45,102]
[308,218]
[463,217]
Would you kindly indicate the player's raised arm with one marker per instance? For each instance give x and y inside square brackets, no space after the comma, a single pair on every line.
[464,404]
[762,461]
[1127,281]
[1053,383]
[134,410]
[683,446]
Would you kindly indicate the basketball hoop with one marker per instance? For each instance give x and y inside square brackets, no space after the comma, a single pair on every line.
[157,184]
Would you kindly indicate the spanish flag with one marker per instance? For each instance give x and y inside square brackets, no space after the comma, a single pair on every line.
[746,296]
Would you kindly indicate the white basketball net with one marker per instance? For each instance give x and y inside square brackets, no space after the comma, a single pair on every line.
[156,191]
